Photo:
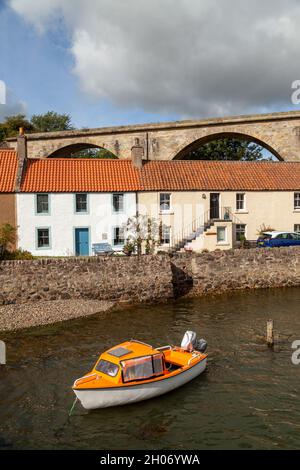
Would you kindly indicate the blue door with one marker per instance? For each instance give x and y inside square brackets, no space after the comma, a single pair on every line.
[82,242]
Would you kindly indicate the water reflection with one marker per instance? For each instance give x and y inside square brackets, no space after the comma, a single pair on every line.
[248,398]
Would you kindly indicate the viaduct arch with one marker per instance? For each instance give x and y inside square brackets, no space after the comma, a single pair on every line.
[277,132]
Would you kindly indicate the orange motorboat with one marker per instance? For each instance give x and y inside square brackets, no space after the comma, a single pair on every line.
[134,371]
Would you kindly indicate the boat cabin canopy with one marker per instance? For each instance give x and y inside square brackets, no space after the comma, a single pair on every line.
[132,360]
[142,368]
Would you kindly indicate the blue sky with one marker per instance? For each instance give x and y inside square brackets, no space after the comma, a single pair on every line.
[37,70]
[119,62]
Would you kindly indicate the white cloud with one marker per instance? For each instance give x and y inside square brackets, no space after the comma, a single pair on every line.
[189,57]
[11,105]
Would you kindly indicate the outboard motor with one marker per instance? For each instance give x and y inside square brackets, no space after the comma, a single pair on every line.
[201,345]
[189,342]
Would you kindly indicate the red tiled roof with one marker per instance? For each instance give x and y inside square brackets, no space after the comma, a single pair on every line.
[76,175]
[93,175]
[8,170]
[220,176]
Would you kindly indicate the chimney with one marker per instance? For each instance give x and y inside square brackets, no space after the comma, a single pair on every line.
[137,154]
[22,156]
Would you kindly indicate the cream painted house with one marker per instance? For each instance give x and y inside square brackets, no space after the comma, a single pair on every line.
[235,214]
[214,205]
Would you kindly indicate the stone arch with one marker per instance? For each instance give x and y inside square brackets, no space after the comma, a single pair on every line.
[67,150]
[180,155]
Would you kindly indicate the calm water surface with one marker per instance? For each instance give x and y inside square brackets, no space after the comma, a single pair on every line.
[249,397]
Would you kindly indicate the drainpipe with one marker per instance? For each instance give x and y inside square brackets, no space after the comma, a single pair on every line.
[137,204]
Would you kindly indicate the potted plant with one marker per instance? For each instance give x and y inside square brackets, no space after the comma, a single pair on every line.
[129,248]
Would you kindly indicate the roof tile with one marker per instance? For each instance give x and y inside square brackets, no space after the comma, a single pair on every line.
[97,175]
[8,170]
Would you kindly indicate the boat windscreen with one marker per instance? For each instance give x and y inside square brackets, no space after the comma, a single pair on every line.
[107,368]
[142,367]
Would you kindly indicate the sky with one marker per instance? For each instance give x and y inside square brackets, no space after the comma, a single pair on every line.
[114,62]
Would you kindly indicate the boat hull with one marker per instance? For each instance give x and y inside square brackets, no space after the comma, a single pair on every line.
[103,398]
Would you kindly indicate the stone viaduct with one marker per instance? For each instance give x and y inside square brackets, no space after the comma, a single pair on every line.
[278,132]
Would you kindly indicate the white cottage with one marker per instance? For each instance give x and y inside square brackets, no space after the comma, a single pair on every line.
[67,206]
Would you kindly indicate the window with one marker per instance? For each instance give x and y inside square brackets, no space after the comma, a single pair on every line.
[165,202]
[118,202]
[118,236]
[81,203]
[142,367]
[297,201]
[240,232]
[165,235]
[297,228]
[221,234]
[240,201]
[43,237]
[107,368]
[42,203]
[287,236]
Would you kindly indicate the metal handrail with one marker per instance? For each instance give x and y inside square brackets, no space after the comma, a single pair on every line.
[199,223]
[194,356]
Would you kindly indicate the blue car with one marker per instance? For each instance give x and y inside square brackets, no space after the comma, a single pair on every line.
[272,239]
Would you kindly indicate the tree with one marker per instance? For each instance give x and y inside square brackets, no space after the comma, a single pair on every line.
[8,236]
[141,229]
[2,133]
[228,148]
[51,121]
[94,153]
[10,126]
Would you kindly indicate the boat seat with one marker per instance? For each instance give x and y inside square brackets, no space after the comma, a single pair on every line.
[171,367]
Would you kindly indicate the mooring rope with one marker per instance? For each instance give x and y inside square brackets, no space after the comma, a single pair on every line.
[73,406]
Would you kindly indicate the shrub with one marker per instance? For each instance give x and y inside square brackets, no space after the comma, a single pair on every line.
[17,255]
[264,228]
[8,237]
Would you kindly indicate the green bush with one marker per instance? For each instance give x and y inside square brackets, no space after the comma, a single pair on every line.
[8,237]
[16,255]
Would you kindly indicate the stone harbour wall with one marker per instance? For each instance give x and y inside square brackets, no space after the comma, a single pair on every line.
[118,279]
[149,278]
[221,271]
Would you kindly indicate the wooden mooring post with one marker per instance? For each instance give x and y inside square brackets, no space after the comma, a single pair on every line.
[2,353]
[270,333]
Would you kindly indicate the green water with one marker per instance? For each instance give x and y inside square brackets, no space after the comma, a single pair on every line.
[249,397]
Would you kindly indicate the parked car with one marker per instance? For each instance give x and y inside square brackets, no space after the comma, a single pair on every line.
[102,249]
[273,239]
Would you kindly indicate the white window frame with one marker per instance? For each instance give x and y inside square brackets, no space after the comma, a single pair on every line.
[296,227]
[297,201]
[120,211]
[220,242]
[75,203]
[165,229]
[161,196]
[45,247]
[237,202]
[113,235]
[236,232]
[36,204]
